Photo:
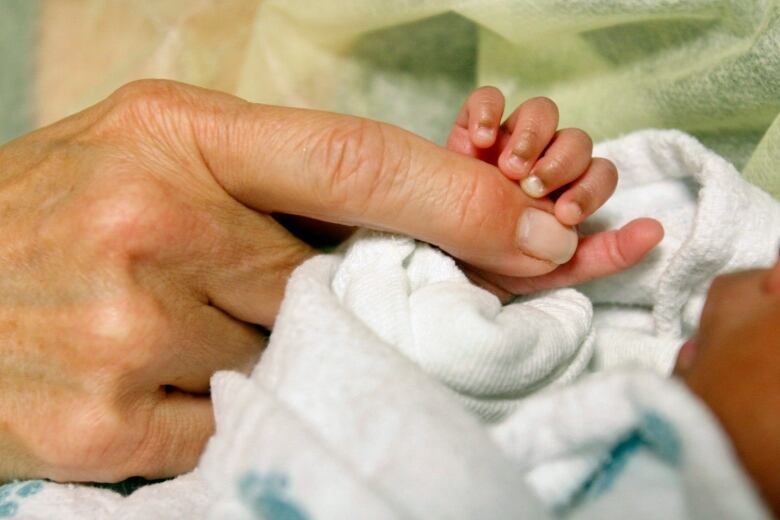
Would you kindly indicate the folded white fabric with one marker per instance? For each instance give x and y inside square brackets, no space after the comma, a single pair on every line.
[353,426]
[627,444]
[186,496]
[417,300]
[393,388]
[715,222]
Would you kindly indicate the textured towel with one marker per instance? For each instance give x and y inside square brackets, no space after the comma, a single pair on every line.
[417,300]
[393,388]
[714,223]
[627,445]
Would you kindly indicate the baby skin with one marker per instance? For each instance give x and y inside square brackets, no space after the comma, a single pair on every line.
[556,168]
[732,364]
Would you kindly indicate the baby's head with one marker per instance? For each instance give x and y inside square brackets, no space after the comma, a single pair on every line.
[733,364]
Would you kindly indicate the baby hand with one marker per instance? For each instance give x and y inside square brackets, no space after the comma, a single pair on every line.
[558,167]
[530,149]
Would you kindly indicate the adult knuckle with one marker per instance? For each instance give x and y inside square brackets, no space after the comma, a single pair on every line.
[126,215]
[123,336]
[351,157]
[145,93]
[96,430]
[92,438]
[146,104]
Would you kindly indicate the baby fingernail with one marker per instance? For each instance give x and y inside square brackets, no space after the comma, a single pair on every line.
[572,211]
[516,163]
[540,235]
[521,153]
[532,186]
[484,133]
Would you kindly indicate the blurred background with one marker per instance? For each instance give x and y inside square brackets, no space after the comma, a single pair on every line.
[708,67]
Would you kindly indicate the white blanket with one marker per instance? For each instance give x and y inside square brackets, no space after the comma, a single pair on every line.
[393,388]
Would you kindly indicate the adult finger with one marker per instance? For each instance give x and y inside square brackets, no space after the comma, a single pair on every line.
[358,172]
[176,433]
[200,248]
[248,272]
[209,340]
[160,436]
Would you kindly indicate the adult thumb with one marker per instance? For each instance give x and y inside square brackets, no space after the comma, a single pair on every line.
[355,171]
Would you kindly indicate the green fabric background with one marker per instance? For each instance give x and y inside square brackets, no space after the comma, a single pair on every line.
[708,67]
[17,38]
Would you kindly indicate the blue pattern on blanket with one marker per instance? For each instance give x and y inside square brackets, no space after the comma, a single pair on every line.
[266,496]
[653,432]
[10,493]
[661,437]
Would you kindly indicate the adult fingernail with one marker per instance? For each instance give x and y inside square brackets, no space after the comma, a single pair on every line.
[540,235]
[532,186]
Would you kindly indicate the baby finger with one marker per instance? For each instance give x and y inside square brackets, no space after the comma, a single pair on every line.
[485,108]
[532,125]
[588,193]
[565,160]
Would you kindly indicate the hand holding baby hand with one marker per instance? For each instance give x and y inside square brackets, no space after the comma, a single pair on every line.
[530,149]
[553,166]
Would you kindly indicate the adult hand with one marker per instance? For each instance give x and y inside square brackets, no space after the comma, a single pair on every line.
[138,248]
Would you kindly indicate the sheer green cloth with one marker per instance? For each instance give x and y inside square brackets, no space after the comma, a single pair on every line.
[708,67]
[17,41]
